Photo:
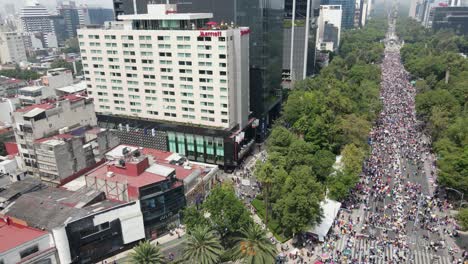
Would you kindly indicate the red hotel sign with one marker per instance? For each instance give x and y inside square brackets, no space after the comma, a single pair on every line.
[245,32]
[210,34]
[218,33]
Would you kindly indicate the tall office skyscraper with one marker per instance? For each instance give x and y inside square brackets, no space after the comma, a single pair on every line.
[265,19]
[94,15]
[69,12]
[300,27]
[348,8]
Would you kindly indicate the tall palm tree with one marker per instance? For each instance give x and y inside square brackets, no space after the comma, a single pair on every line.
[146,253]
[202,247]
[253,247]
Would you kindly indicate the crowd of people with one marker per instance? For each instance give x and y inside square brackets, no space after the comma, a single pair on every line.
[400,212]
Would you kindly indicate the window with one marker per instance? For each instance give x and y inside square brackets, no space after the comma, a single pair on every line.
[144,37]
[222,38]
[183,38]
[183,46]
[28,251]
[125,37]
[131,68]
[222,56]
[202,63]
[185,71]
[147,46]
[188,63]
[164,46]
[146,53]
[109,37]
[164,37]
[184,55]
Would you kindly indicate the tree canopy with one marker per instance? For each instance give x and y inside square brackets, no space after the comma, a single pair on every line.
[441,75]
[323,117]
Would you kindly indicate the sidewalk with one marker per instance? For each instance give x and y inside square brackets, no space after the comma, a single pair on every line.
[162,242]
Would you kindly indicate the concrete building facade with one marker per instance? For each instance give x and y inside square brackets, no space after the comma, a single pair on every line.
[163,88]
[12,49]
[329,28]
[45,120]
[35,19]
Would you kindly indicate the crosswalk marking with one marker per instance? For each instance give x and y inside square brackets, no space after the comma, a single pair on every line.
[360,250]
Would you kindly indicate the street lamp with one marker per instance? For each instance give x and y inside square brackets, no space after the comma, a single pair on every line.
[457,191]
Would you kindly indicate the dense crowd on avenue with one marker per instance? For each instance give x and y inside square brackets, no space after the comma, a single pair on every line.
[402,220]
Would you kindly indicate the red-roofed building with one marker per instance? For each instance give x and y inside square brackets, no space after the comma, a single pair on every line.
[22,244]
[162,181]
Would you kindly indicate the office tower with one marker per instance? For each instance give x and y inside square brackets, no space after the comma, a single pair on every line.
[412,8]
[36,20]
[12,49]
[174,78]
[348,9]
[69,13]
[454,18]
[299,39]
[94,15]
[329,28]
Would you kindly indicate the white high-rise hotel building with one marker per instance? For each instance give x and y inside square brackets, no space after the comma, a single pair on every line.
[169,67]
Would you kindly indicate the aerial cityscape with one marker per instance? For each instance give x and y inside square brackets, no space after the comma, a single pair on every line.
[234,131]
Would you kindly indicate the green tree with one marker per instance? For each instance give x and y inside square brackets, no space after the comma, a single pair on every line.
[462,218]
[61,63]
[146,253]
[352,158]
[253,247]
[227,213]
[72,46]
[202,247]
[193,217]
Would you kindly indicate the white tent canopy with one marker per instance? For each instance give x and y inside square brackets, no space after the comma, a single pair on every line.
[330,210]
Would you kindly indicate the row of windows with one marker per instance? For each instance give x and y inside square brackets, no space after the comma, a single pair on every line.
[162,38]
[161,54]
[167,100]
[150,91]
[167,114]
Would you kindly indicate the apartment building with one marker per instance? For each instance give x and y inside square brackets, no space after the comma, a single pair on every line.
[45,120]
[178,75]
[12,48]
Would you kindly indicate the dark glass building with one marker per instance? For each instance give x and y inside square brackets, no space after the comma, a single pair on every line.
[348,7]
[97,15]
[454,18]
[71,19]
[299,39]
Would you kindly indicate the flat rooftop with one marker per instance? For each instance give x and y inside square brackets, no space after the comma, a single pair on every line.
[74,88]
[51,207]
[32,88]
[12,235]
[52,103]
[161,165]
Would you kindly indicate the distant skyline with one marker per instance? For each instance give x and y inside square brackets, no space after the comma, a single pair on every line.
[51,4]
